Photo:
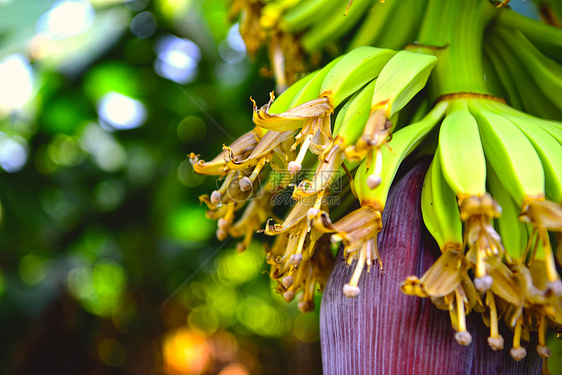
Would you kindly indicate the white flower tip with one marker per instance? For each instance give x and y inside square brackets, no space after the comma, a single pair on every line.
[351,291]
[311,213]
[294,168]
[295,259]
[496,343]
[287,281]
[518,353]
[221,234]
[373,181]
[245,184]
[306,306]
[216,197]
[483,284]
[544,351]
[223,224]
[289,296]
[464,338]
[555,287]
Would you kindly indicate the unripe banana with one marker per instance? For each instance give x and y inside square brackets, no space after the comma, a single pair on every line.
[548,149]
[512,231]
[403,142]
[461,154]
[440,210]
[306,13]
[283,101]
[352,118]
[311,90]
[374,23]
[511,154]
[334,27]
[404,75]
[353,71]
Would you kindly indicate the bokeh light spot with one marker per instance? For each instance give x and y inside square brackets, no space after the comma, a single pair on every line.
[32,269]
[112,352]
[66,18]
[238,268]
[185,351]
[143,25]
[306,327]
[232,49]
[191,129]
[13,153]
[187,223]
[203,318]
[16,89]
[235,369]
[121,112]
[186,175]
[65,151]
[108,195]
[177,59]
[261,317]
[108,154]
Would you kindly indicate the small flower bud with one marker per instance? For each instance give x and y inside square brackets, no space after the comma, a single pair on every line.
[543,351]
[221,234]
[311,213]
[555,287]
[294,168]
[306,306]
[245,184]
[518,353]
[223,224]
[350,291]
[289,296]
[287,281]
[483,284]
[496,343]
[295,260]
[240,247]
[216,197]
[464,338]
[373,181]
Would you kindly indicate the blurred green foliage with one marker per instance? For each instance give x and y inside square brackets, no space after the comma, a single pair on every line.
[106,259]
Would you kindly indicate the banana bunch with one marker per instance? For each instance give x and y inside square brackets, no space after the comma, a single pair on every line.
[477,87]
[371,85]
[486,146]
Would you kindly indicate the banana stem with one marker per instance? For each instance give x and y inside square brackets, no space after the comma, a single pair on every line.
[453,31]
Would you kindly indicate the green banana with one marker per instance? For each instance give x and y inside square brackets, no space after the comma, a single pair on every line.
[504,77]
[404,75]
[533,84]
[334,26]
[545,73]
[352,118]
[353,71]
[512,231]
[404,22]
[374,24]
[547,38]
[312,89]
[460,152]
[510,153]
[283,101]
[403,142]
[547,147]
[440,210]
[306,13]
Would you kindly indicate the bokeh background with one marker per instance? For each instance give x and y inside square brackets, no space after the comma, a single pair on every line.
[107,262]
